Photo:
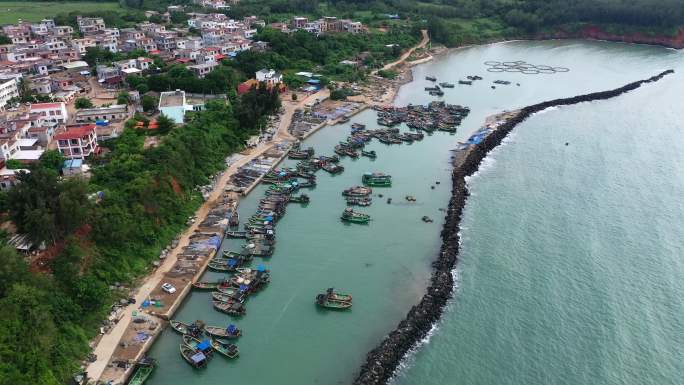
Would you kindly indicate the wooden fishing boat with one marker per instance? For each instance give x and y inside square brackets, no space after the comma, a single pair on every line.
[229,290]
[339,150]
[358,126]
[371,154]
[359,201]
[377,179]
[227,349]
[142,371]
[349,215]
[184,328]
[436,93]
[203,346]
[234,254]
[220,265]
[236,234]
[330,293]
[431,78]
[230,308]
[466,82]
[236,296]
[357,191]
[447,85]
[303,198]
[206,285]
[344,119]
[323,301]
[230,332]
[351,153]
[195,359]
[329,159]
[332,168]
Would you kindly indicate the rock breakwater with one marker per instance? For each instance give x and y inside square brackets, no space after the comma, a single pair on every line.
[382,361]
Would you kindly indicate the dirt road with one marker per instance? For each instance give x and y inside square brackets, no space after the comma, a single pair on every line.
[405,55]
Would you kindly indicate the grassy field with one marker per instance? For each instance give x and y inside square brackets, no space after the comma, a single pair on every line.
[11,11]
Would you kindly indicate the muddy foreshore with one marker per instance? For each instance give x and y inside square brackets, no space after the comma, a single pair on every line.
[382,361]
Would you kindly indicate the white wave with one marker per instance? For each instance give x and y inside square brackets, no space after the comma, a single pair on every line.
[545,110]
[410,356]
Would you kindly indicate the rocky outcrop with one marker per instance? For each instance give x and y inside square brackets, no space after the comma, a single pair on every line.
[382,361]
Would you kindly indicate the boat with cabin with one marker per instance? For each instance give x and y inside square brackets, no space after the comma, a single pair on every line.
[219,332]
[376,179]
[370,154]
[225,348]
[143,369]
[349,215]
[203,346]
[196,359]
[230,308]
[359,201]
[194,329]
[357,191]
[330,300]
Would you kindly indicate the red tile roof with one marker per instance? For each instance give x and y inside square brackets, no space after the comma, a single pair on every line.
[76,132]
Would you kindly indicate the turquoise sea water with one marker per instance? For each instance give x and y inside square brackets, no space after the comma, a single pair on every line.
[570,267]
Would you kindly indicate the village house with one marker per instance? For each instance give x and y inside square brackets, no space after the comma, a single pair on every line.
[116,112]
[56,112]
[8,90]
[90,24]
[174,105]
[77,142]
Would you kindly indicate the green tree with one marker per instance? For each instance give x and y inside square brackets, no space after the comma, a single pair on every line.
[14,164]
[165,124]
[123,98]
[52,160]
[5,40]
[82,103]
[13,269]
[149,103]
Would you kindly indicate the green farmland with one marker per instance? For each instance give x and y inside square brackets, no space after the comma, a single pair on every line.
[11,11]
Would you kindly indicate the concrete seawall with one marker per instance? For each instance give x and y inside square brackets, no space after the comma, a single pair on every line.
[382,362]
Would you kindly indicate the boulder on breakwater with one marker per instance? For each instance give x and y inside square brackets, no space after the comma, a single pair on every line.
[382,361]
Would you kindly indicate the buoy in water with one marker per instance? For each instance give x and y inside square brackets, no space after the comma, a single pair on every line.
[432,187]
[566,143]
[380,195]
[389,200]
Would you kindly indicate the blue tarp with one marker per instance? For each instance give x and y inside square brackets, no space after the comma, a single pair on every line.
[244,287]
[210,243]
[313,81]
[145,303]
[232,262]
[204,345]
[231,328]
[261,268]
[199,357]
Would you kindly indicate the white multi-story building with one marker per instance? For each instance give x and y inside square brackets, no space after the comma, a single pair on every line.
[78,142]
[55,112]
[8,89]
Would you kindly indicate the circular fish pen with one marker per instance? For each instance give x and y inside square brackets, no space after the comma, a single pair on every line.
[523,67]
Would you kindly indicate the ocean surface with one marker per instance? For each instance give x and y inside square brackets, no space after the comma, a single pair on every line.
[571,263]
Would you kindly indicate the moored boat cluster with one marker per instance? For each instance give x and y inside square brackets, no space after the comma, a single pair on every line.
[435,116]
[200,342]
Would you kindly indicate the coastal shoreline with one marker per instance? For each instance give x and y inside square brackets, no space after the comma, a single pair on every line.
[382,362]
